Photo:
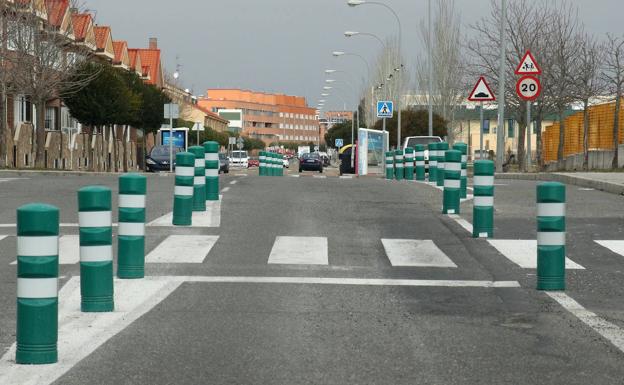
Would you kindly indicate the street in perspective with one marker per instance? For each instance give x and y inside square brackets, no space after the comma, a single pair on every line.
[322,192]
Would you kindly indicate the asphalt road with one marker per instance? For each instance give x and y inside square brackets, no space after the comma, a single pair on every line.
[299,288]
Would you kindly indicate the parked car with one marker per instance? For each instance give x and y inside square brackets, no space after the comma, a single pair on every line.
[253,162]
[224,163]
[411,141]
[158,158]
[239,158]
[310,162]
[286,161]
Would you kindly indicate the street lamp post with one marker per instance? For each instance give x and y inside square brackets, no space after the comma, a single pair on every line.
[500,131]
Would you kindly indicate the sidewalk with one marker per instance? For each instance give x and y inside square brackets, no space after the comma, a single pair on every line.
[611,182]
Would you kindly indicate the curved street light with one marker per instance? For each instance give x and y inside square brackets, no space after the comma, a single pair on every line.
[354,33]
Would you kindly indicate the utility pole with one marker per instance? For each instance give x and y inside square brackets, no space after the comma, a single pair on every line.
[430,74]
[500,131]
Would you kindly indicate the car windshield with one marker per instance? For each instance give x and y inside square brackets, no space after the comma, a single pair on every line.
[239,154]
[163,150]
[411,142]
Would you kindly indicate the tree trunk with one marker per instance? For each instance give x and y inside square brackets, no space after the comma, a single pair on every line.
[560,148]
[90,149]
[115,162]
[125,148]
[61,152]
[144,145]
[585,135]
[538,141]
[521,137]
[40,135]
[616,129]
[4,130]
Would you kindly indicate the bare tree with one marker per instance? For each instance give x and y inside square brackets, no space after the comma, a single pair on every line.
[613,75]
[448,62]
[5,83]
[588,82]
[48,61]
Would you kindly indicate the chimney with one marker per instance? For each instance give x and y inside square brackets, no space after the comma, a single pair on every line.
[153,43]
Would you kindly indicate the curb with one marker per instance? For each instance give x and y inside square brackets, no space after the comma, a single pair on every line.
[609,187]
[70,173]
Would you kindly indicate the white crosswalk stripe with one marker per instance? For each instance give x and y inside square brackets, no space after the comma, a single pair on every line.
[209,218]
[182,249]
[415,252]
[615,246]
[299,251]
[523,252]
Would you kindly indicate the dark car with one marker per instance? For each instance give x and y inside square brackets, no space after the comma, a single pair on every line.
[158,158]
[310,162]
[224,163]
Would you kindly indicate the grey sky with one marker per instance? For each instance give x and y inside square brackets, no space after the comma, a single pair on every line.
[285,45]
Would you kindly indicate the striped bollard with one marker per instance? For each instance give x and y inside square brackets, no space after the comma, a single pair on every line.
[398,167]
[274,162]
[420,161]
[463,148]
[269,164]
[183,193]
[262,165]
[131,231]
[433,162]
[199,181]
[37,284]
[389,165]
[452,182]
[483,203]
[409,163]
[212,170]
[280,164]
[442,148]
[551,234]
[96,249]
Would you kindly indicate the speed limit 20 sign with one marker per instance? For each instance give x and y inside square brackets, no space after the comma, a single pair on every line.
[528,88]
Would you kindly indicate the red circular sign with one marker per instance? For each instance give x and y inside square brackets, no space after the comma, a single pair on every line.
[528,88]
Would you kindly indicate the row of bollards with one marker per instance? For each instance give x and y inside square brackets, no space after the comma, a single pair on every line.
[271,164]
[406,165]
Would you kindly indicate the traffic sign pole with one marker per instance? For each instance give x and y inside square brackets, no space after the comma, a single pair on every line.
[528,135]
[481,132]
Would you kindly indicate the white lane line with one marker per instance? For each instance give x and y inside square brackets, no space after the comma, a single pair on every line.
[606,329]
[294,175]
[319,176]
[225,189]
[348,281]
[299,251]
[234,182]
[415,252]
[462,222]
[523,252]
[182,249]
[69,250]
[346,176]
[81,333]
[615,246]
[3,236]
[209,218]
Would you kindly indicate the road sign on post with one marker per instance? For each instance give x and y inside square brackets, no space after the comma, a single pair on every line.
[172,111]
[339,143]
[385,108]
[528,65]
[528,88]
[239,143]
[481,92]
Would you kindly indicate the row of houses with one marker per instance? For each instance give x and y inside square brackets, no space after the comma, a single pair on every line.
[67,141]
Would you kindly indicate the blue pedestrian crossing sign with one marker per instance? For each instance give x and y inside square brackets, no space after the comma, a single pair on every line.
[385,109]
[339,143]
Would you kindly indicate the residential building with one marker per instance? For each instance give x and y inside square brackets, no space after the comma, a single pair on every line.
[334,117]
[269,117]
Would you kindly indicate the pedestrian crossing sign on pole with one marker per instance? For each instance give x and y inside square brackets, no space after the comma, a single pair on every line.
[385,109]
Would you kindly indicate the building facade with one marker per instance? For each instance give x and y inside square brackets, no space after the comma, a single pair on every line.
[269,117]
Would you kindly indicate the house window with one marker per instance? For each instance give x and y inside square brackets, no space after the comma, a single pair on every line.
[486,126]
[510,128]
[23,110]
[50,113]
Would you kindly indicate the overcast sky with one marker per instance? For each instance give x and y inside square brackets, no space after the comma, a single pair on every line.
[284,46]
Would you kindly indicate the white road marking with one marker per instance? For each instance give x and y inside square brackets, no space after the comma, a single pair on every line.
[586,189]
[294,175]
[82,333]
[606,329]
[209,218]
[299,251]
[225,189]
[319,176]
[346,176]
[182,249]
[69,250]
[523,252]
[3,236]
[234,182]
[462,222]
[10,179]
[615,246]
[415,252]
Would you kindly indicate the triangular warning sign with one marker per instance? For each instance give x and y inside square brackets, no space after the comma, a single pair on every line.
[528,65]
[481,92]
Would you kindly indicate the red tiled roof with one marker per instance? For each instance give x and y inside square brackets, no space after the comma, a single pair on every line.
[101,36]
[211,114]
[56,11]
[151,58]
[133,54]
[81,23]
[119,47]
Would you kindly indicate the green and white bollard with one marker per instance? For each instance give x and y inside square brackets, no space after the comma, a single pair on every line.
[420,161]
[212,170]
[551,236]
[199,182]
[96,249]
[442,148]
[483,203]
[131,231]
[280,164]
[262,165]
[276,171]
[463,148]
[433,162]
[269,164]
[398,165]
[389,165]
[183,193]
[452,182]
[37,284]
[409,163]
